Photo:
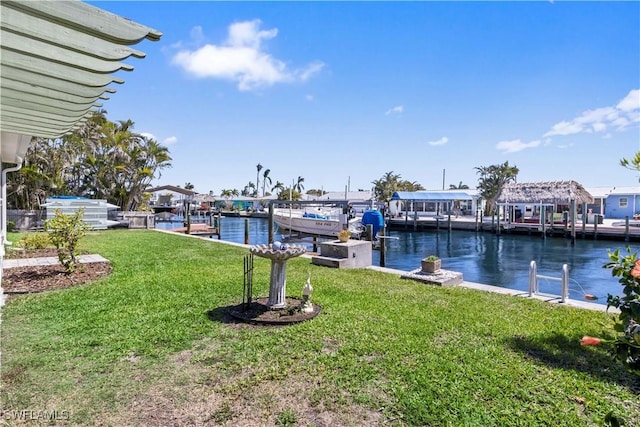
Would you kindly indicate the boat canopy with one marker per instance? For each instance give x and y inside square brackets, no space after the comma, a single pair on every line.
[430,196]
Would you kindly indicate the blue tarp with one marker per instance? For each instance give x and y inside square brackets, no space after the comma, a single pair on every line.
[430,196]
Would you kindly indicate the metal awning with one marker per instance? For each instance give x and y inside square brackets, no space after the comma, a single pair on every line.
[57,60]
[430,196]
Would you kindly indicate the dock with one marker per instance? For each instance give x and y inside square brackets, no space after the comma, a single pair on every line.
[623,230]
[198,230]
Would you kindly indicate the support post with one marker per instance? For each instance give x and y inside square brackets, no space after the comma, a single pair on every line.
[270,223]
[382,245]
[565,283]
[246,231]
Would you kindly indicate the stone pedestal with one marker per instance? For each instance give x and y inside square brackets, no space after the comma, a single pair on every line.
[349,254]
[278,279]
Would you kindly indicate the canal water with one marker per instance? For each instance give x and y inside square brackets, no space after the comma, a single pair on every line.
[482,257]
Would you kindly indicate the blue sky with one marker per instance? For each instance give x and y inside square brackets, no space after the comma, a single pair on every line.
[340,93]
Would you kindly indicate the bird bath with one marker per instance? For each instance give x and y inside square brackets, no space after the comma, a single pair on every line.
[279,255]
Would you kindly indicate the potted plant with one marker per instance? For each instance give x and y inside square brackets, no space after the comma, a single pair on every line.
[344,235]
[431,264]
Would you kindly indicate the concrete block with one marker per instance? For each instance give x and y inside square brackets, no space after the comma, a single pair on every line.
[440,277]
[350,254]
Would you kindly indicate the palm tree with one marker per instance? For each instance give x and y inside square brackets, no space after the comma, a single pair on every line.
[460,186]
[384,187]
[188,186]
[259,168]
[279,186]
[265,178]
[247,189]
[298,186]
[492,179]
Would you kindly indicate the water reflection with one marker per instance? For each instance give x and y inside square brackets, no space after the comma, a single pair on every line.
[483,257]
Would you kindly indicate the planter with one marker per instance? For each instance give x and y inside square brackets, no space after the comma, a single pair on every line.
[431,266]
[344,236]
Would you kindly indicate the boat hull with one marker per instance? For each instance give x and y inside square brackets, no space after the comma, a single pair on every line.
[329,227]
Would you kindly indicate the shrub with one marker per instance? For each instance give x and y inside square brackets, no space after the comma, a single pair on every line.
[65,231]
[34,241]
[11,226]
[626,346]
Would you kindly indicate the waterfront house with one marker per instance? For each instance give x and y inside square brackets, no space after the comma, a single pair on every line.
[622,202]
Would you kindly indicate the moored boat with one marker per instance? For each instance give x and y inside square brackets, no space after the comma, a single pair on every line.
[316,222]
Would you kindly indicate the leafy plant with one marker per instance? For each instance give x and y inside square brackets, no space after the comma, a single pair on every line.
[626,347]
[11,226]
[34,241]
[432,258]
[65,231]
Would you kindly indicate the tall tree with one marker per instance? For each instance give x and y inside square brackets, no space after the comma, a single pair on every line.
[492,179]
[298,185]
[258,168]
[384,187]
[278,186]
[249,189]
[265,178]
[101,159]
[188,186]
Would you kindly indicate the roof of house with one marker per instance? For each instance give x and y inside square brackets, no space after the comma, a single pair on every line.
[544,192]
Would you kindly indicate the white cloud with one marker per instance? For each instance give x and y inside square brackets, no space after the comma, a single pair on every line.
[170,141]
[309,98]
[242,59]
[630,102]
[398,109]
[441,141]
[603,119]
[516,145]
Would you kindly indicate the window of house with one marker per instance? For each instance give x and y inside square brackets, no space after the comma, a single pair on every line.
[624,202]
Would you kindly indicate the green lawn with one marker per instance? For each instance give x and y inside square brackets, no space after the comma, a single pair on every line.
[151,345]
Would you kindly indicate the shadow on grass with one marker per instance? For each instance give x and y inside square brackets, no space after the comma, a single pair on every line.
[561,352]
[221,314]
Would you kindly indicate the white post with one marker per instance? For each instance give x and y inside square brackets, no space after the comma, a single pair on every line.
[565,282]
[533,278]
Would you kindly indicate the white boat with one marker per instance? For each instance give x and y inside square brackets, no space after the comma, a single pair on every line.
[316,222]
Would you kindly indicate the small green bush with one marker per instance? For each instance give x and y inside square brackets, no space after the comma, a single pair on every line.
[11,226]
[34,241]
[65,231]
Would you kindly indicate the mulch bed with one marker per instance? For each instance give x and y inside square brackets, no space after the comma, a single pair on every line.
[259,313]
[20,280]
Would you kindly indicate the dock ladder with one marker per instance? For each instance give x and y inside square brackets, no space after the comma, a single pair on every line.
[534,285]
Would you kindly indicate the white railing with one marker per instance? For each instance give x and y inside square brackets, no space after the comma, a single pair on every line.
[534,284]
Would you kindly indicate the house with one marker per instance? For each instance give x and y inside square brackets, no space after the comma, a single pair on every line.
[622,202]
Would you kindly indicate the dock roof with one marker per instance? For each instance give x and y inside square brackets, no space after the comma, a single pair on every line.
[557,192]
